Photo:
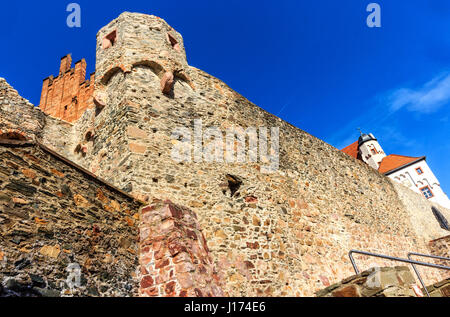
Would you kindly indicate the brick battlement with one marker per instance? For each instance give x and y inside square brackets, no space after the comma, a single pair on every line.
[69,94]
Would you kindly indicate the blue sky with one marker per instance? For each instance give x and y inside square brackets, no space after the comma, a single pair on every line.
[313,63]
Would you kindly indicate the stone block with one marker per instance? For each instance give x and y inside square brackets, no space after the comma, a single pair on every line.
[347,291]
[137,148]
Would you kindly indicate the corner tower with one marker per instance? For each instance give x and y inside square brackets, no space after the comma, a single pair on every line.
[142,81]
[133,40]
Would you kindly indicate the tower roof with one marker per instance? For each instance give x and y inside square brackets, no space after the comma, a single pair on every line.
[366,137]
[352,149]
[394,162]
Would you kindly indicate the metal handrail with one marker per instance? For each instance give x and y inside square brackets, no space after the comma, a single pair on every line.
[392,258]
[417,271]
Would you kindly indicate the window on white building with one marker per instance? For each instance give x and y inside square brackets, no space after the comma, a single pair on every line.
[419,171]
[426,191]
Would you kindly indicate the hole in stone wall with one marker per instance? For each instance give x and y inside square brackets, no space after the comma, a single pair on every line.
[173,42]
[89,136]
[234,183]
[98,109]
[109,40]
[84,150]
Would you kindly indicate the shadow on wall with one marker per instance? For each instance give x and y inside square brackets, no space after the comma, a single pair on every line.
[443,223]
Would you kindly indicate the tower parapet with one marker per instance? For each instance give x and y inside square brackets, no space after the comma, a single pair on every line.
[137,39]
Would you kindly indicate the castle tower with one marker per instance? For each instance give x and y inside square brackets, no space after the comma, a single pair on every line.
[370,150]
[134,40]
[143,93]
[142,81]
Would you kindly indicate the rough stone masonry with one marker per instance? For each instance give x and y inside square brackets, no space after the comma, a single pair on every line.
[213,228]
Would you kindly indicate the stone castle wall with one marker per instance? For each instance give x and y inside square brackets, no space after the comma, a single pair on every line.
[52,214]
[75,139]
[441,247]
[19,119]
[285,233]
[440,289]
[419,209]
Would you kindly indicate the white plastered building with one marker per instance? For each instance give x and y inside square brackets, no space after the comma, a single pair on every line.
[412,172]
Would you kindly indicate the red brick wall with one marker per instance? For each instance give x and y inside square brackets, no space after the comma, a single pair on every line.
[68,95]
[174,257]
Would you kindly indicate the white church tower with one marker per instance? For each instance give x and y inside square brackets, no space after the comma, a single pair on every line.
[370,150]
[412,172]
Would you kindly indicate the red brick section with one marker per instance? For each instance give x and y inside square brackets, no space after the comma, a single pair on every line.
[68,95]
[174,257]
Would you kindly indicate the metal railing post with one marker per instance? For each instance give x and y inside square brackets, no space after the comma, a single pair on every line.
[417,271]
[409,261]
